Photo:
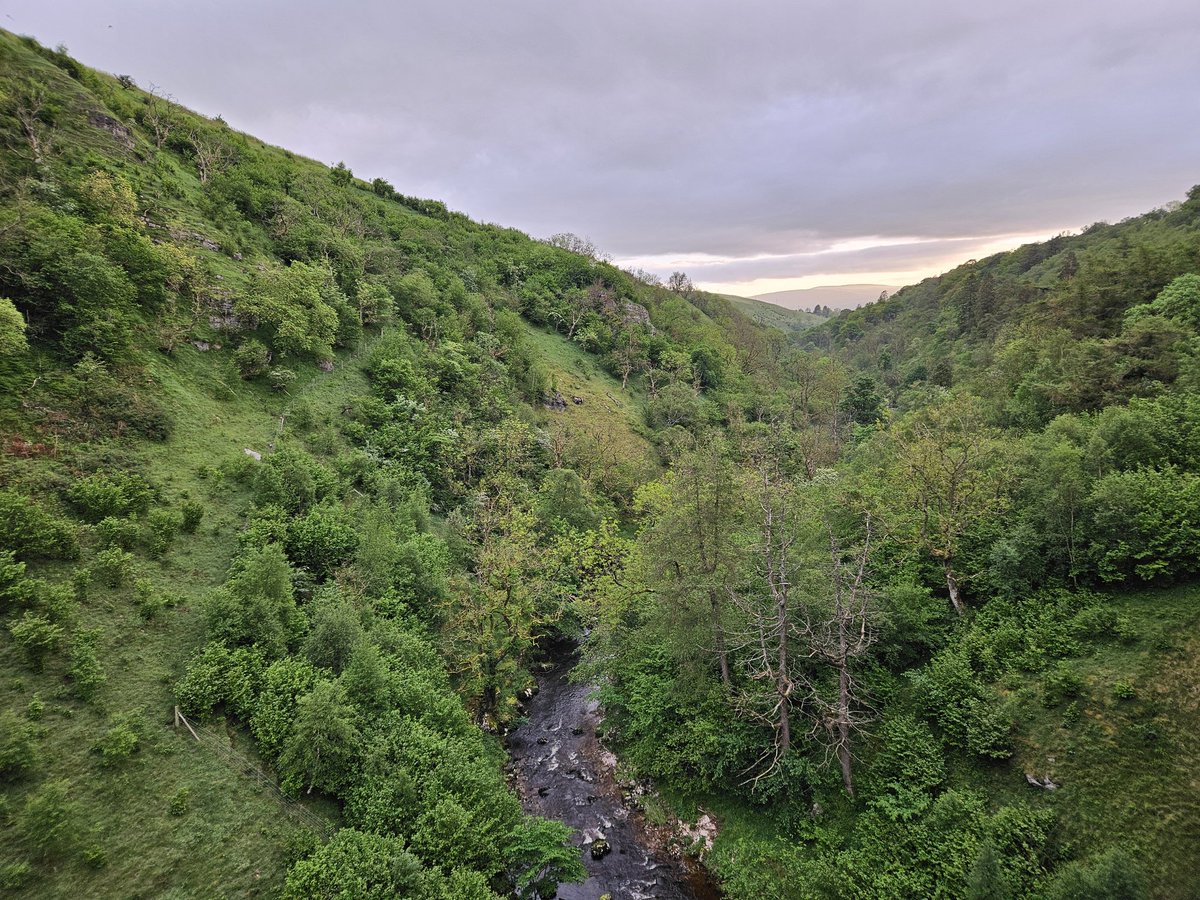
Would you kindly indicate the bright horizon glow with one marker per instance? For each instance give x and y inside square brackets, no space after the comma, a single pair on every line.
[965,248]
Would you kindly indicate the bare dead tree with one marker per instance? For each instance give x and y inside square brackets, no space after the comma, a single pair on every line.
[836,640]
[629,356]
[679,283]
[763,640]
[159,115]
[574,243]
[28,109]
[654,377]
[212,155]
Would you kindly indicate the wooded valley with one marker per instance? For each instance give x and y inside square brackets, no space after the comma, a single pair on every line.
[904,598]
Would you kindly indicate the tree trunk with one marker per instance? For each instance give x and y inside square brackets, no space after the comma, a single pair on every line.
[843,726]
[955,591]
[719,636]
[783,684]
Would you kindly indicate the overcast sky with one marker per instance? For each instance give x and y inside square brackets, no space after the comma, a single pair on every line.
[757,145]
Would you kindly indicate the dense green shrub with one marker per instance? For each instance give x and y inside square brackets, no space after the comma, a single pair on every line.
[1110,875]
[252,358]
[257,605]
[966,710]
[119,743]
[293,480]
[321,540]
[334,635]
[86,674]
[37,637]
[219,675]
[324,743]
[906,771]
[50,821]
[1146,523]
[297,305]
[30,532]
[191,512]
[113,532]
[360,865]
[110,495]
[18,751]
[284,682]
[114,567]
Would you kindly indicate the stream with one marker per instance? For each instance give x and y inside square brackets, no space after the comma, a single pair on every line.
[563,772]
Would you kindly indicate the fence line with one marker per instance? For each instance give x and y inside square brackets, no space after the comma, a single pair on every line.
[236,761]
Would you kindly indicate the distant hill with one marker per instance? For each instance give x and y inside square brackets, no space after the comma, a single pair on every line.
[838,296]
[773,315]
[1066,325]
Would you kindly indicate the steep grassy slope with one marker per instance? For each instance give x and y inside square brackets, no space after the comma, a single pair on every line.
[1124,748]
[231,836]
[234,836]
[184,294]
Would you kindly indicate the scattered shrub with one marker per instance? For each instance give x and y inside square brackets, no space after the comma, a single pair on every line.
[14,875]
[119,743]
[81,583]
[1071,714]
[113,532]
[281,379]
[86,674]
[160,529]
[114,567]
[49,823]
[148,601]
[252,358]
[18,753]
[30,532]
[37,636]
[180,802]
[1060,684]
[191,512]
[118,495]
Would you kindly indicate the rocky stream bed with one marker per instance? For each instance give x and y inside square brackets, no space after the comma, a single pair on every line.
[562,771]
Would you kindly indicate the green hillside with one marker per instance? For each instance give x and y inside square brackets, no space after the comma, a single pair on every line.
[906,601]
[772,316]
[273,438]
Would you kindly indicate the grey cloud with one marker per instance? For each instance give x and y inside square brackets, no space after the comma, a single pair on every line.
[732,128]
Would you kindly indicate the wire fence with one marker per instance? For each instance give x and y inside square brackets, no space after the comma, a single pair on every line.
[236,761]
